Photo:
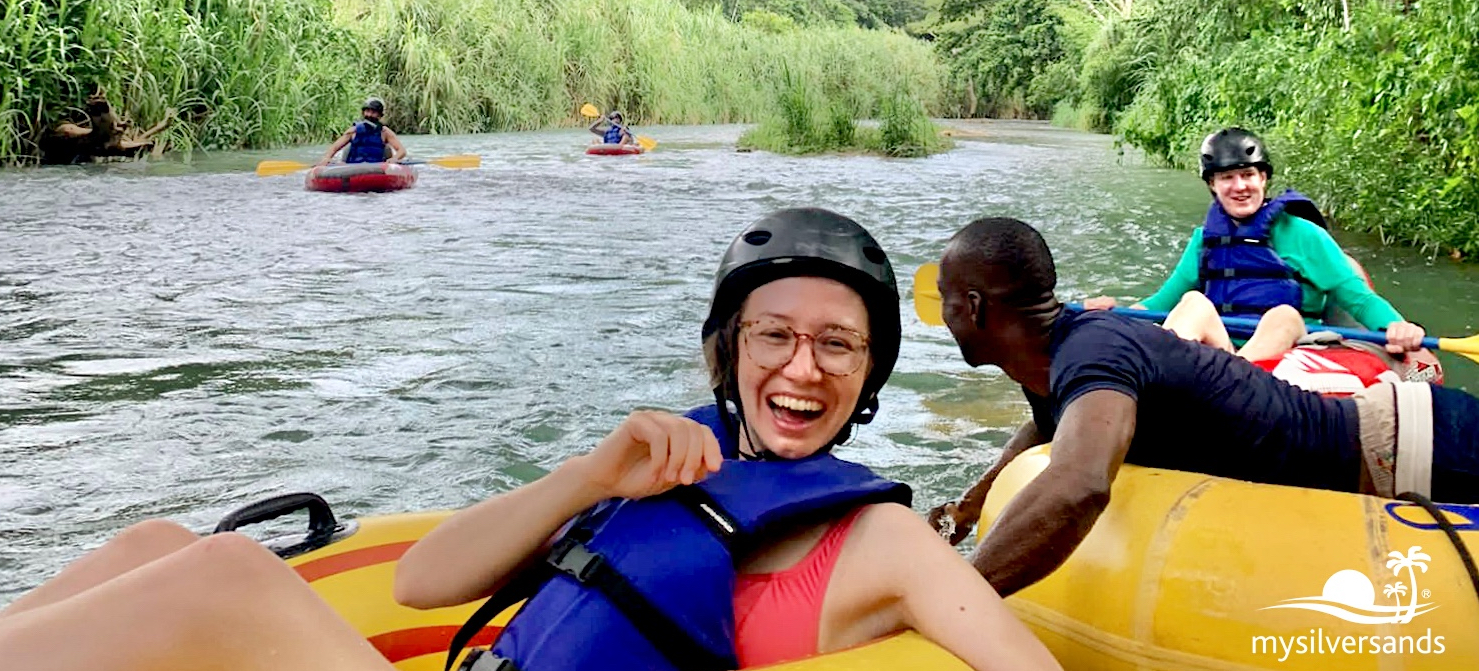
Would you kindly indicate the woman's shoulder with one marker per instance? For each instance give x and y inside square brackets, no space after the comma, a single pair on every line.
[894,529]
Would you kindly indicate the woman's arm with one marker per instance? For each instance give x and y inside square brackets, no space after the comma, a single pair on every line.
[596,127]
[476,551]
[943,597]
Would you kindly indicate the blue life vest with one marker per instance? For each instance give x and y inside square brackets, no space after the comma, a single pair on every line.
[1239,271]
[613,135]
[649,584]
[367,146]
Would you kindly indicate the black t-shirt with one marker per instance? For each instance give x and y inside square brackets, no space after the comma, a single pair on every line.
[1201,409]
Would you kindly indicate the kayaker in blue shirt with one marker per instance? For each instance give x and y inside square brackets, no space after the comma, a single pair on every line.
[369,140]
[615,130]
[1107,390]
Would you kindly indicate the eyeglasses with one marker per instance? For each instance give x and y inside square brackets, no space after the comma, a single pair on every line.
[837,351]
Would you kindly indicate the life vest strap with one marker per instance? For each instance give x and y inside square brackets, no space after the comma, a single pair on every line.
[1249,309]
[573,558]
[1229,240]
[1247,273]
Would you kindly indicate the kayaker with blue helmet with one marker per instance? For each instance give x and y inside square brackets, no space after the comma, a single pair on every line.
[1108,390]
[614,131]
[369,139]
[1264,258]
[736,534]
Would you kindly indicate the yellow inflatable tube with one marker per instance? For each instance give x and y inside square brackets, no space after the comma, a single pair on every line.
[355,574]
[1193,572]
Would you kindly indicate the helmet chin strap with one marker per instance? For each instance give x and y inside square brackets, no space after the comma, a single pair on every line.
[759,451]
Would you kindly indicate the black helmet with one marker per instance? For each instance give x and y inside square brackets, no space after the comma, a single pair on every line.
[374,104]
[615,115]
[812,242]
[1232,148]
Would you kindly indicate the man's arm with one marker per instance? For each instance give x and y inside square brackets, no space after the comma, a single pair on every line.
[398,149]
[1043,524]
[967,511]
[1182,279]
[338,144]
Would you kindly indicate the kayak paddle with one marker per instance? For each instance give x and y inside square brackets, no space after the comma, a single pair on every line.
[271,168]
[928,305]
[648,144]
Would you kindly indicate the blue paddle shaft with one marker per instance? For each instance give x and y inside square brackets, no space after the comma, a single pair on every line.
[1244,327]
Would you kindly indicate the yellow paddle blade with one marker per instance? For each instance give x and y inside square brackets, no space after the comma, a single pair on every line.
[458,161]
[271,168]
[1464,347]
[647,143]
[927,301]
[589,110]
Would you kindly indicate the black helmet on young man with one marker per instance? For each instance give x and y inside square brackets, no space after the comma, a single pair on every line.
[813,242]
[375,104]
[1233,148]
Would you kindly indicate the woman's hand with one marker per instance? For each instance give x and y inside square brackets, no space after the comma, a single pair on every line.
[1100,303]
[650,453]
[1404,337]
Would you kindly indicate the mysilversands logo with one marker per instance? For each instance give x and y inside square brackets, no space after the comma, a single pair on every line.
[1350,596]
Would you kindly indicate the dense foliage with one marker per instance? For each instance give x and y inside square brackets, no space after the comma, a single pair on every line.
[256,73]
[1369,106]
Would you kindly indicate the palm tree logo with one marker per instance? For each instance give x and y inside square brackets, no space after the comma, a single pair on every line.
[1413,560]
[1350,596]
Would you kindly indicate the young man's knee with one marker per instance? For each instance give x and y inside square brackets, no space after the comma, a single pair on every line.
[1195,298]
[1283,315]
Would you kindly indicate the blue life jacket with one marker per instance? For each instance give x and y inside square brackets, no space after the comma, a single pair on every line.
[367,146]
[1239,271]
[648,584]
[613,135]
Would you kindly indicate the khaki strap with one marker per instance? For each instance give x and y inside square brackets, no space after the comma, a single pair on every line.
[1414,438]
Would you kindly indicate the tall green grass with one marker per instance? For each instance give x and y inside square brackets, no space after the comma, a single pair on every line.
[258,73]
[804,120]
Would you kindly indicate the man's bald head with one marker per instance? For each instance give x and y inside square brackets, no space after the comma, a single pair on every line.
[1004,259]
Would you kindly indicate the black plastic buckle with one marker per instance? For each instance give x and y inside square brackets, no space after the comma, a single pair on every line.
[483,659]
[571,557]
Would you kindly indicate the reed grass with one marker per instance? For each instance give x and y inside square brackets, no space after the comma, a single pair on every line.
[262,73]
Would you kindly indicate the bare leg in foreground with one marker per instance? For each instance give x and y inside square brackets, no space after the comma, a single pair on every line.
[222,603]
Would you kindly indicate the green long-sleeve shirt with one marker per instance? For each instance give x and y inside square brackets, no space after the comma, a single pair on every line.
[1310,251]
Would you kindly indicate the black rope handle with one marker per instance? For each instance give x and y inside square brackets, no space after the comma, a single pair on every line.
[1453,537]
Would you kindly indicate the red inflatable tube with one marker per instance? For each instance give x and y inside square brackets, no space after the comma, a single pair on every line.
[613,149]
[356,177]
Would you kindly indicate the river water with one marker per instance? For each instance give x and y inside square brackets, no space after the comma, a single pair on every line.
[180,340]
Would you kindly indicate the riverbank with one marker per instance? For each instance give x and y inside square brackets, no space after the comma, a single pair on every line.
[1368,106]
[267,73]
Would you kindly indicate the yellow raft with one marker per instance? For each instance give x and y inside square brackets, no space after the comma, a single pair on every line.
[1193,572]
[355,572]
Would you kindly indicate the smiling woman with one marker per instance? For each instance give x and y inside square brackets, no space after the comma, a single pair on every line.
[728,537]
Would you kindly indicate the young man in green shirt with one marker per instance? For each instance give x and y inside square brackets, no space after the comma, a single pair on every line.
[1258,257]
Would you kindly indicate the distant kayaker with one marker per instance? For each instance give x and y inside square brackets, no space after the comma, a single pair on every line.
[369,140]
[802,332]
[612,129]
[1262,258]
[1107,390]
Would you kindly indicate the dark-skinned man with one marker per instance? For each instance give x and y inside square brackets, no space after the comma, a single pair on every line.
[1108,390]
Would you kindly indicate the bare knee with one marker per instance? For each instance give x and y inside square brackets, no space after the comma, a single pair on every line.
[1283,316]
[1196,299]
[156,537]
[233,556]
